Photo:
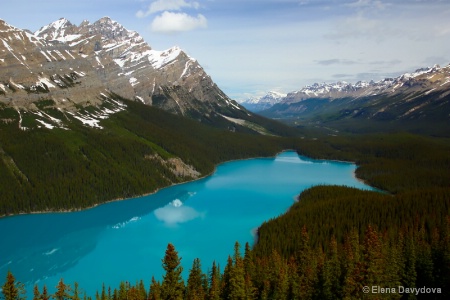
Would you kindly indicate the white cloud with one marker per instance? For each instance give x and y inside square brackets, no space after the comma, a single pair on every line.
[166,5]
[170,22]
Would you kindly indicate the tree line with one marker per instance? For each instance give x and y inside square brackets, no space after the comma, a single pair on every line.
[402,266]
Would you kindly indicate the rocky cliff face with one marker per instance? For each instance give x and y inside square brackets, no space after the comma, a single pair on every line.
[80,65]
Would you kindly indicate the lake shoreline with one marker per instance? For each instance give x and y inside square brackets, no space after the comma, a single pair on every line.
[78,209]
[194,216]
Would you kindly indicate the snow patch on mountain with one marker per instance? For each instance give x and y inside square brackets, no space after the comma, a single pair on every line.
[72,64]
[407,82]
[263,102]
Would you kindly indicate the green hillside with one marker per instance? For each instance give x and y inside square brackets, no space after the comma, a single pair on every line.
[133,154]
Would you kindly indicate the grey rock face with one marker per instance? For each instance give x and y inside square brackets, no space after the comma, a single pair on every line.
[76,64]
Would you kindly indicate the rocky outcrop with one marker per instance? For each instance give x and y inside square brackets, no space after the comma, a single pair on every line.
[177,166]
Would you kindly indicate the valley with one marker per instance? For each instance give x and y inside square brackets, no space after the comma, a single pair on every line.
[91,113]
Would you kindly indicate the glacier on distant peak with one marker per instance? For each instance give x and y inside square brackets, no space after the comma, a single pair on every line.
[263,102]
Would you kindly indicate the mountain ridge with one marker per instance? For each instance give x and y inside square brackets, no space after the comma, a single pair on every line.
[342,89]
[81,65]
[418,102]
[363,88]
[264,102]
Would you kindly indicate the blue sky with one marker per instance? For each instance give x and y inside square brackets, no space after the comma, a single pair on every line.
[251,47]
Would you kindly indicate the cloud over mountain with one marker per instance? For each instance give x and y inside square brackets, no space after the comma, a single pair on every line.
[171,22]
[172,18]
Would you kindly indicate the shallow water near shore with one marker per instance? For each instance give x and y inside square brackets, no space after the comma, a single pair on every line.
[126,240]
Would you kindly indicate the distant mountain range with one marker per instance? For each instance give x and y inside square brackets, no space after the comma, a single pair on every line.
[425,79]
[417,99]
[257,104]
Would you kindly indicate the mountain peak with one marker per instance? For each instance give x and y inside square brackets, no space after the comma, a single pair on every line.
[54,30]
[84,23]
[263,102]
[105,19]
[84,63]
[275,94]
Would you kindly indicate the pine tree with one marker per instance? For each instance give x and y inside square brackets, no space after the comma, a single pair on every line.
[331,273]
[36,293]
[172,286]
[195,289]
[214,283]
[62,291]
[351,259]
[123,291]
[103,294]
[249,264]
[294,292]
[278,277]
[12,290]
[249,272]
[443,258]
[141,289]
[225,286]
[45,295]
[155,290]
[134,294]
[409,275]
[237,279]
[394,263]
[75,295]
[424,261]
[260,278]
[372,258]
[306,266]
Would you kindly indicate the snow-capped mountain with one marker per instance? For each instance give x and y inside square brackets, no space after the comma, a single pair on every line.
[422,79]
[86,64]
[264,102]
[419,98]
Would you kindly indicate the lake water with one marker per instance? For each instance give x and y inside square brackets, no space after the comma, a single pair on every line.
[126,240]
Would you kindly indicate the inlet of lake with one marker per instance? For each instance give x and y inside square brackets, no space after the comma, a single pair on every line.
[126,240]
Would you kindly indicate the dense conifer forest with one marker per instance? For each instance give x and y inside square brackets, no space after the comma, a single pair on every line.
[331,244]
[48,170]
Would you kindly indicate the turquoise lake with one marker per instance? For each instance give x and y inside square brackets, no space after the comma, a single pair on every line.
[126,240]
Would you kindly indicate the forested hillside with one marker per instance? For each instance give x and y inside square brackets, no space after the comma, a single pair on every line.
[345,239]
[137,151]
